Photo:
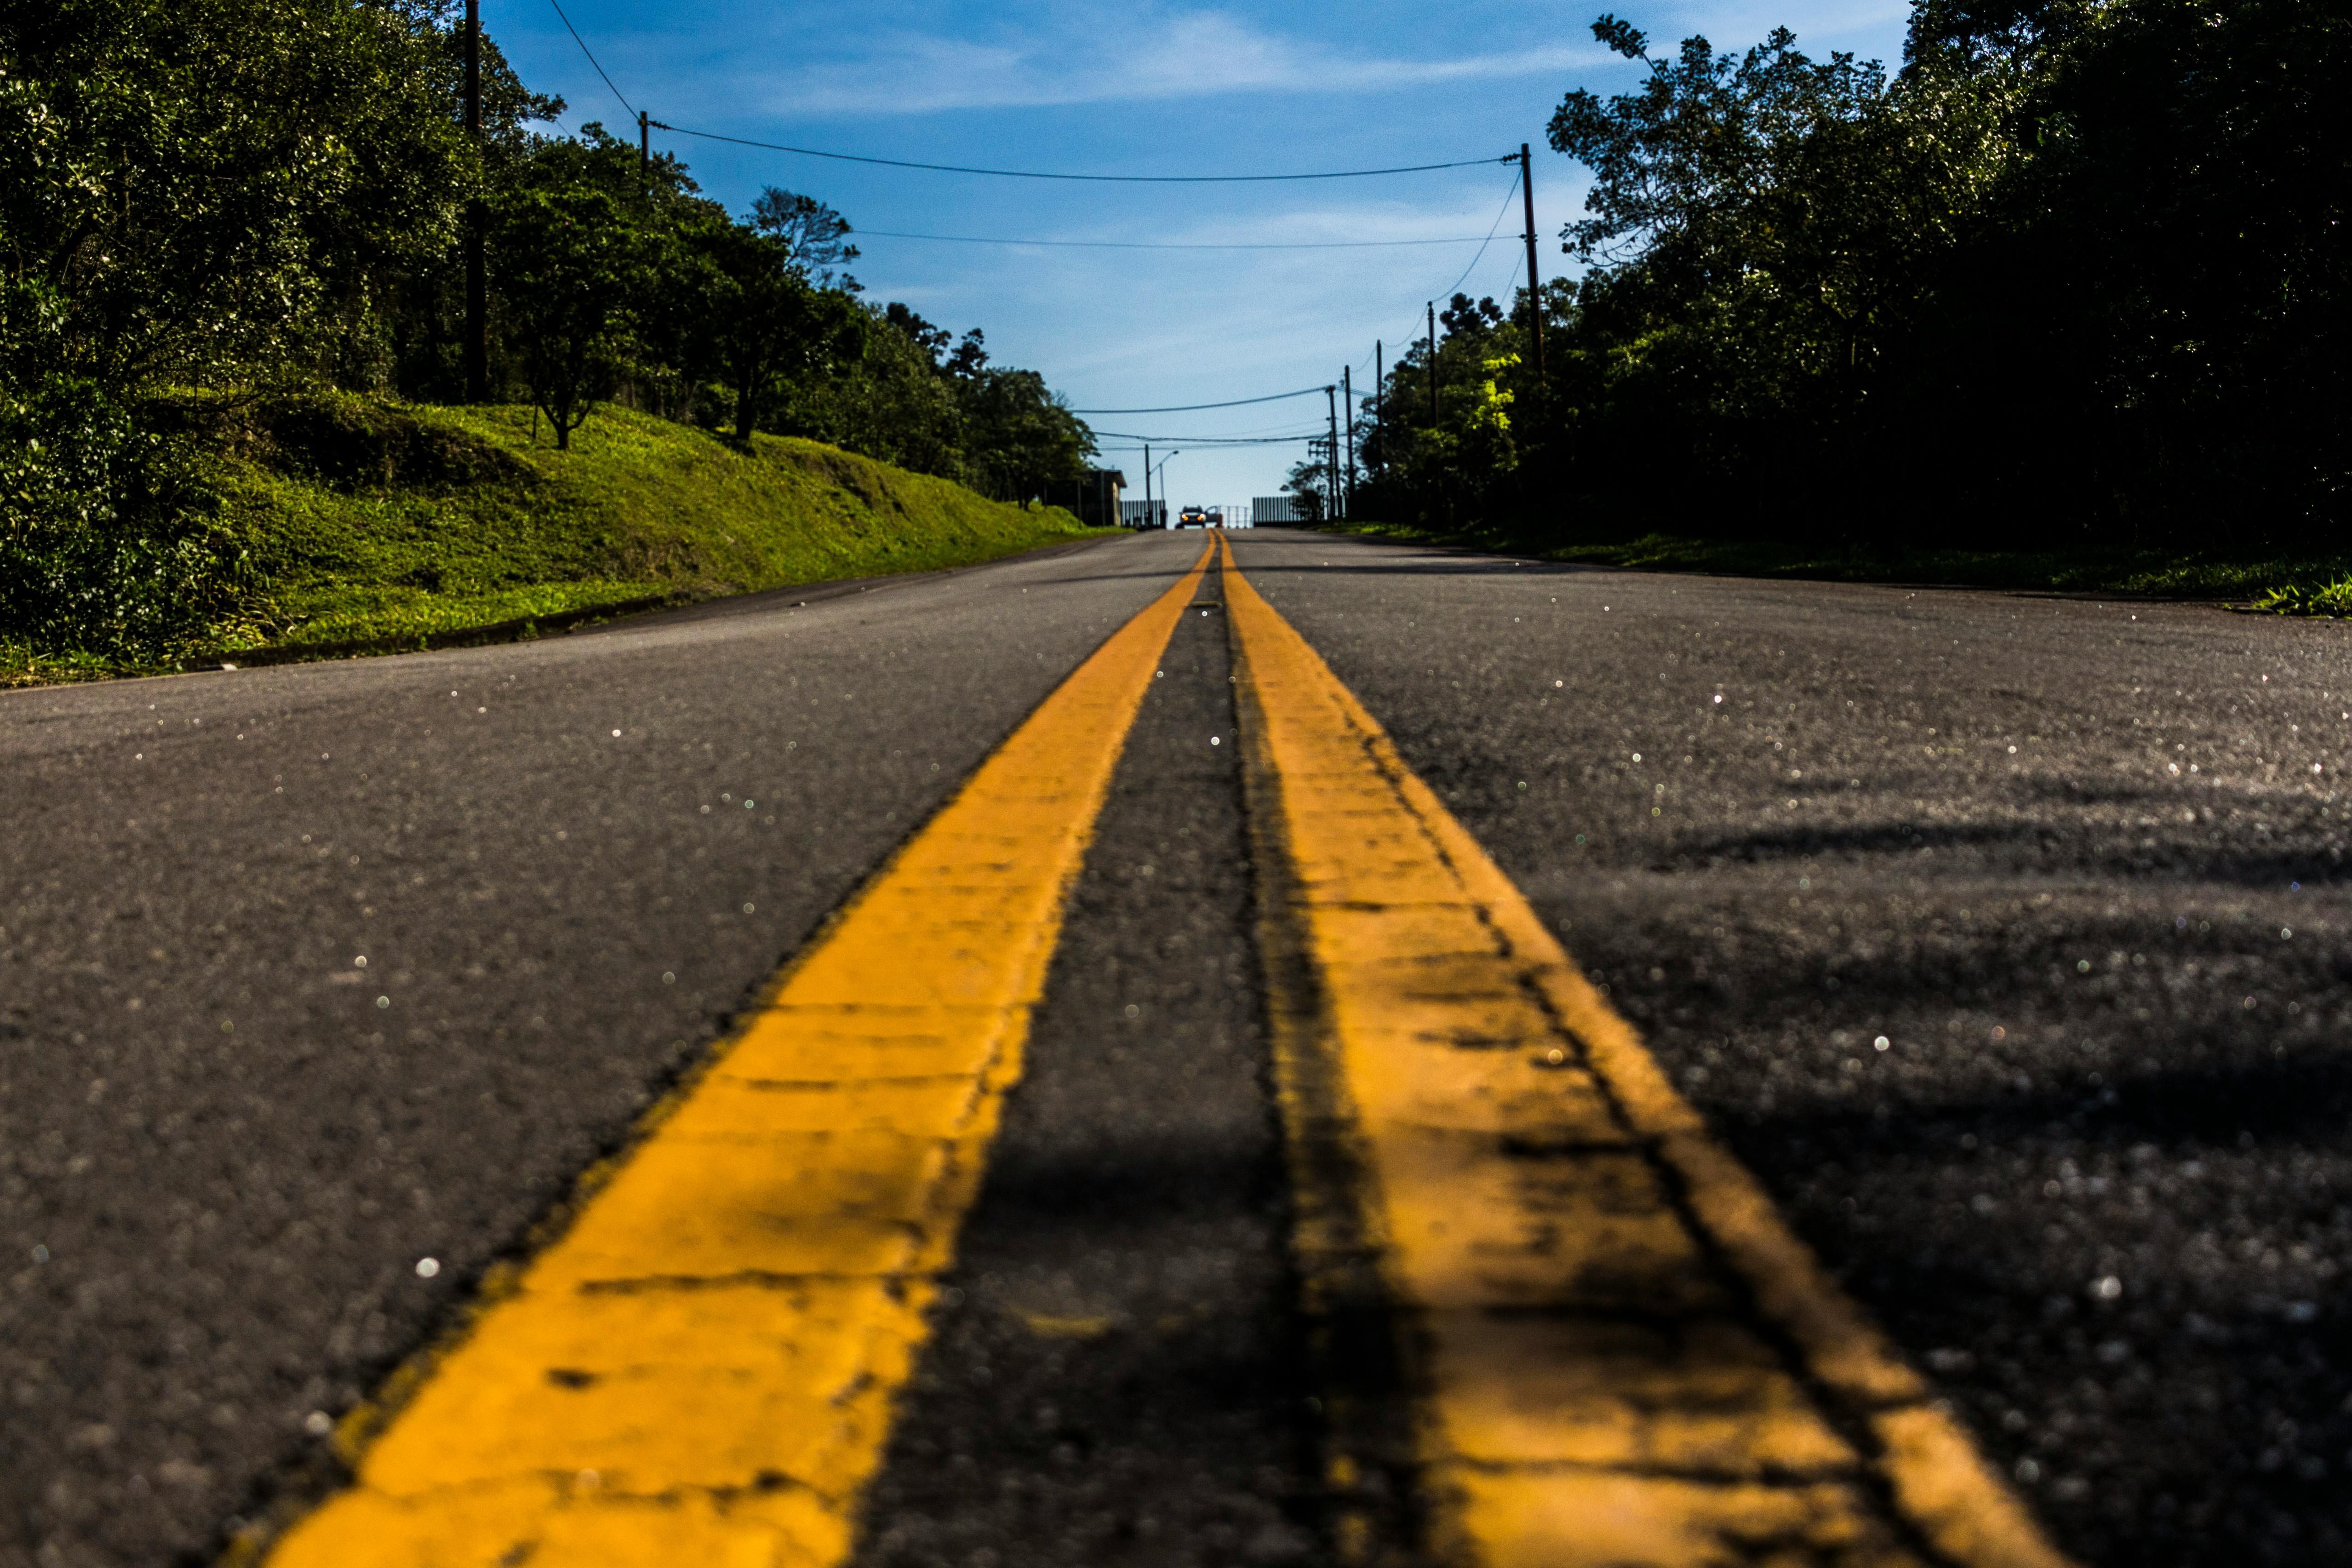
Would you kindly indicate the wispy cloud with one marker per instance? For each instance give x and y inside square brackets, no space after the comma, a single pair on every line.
[1163,56]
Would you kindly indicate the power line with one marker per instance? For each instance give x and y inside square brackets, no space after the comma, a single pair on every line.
[1213,441]
[1195,407]
[592,55]
[1170,245]
[1095,179]
[1490,236]
[1493,229]
[1263,432]
[1413,331]
[1484,245]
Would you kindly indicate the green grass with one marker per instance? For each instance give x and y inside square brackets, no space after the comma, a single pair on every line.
[382,524]
[2251,580]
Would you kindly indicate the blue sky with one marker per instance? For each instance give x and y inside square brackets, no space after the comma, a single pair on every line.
[1146,86]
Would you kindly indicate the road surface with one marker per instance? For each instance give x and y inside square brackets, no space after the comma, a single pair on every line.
[1992,946]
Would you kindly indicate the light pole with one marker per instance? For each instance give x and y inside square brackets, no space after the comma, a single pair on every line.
[1164,481]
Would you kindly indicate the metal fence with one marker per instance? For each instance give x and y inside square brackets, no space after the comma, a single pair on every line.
[1276,509]
[1159,515]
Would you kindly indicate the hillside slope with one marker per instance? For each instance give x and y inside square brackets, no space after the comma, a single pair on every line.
[383,521]
[373,523]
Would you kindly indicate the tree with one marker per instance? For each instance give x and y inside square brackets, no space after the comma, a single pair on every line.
[1019,436]
[570,271]
[203,184]
[816,237]
[933,340]
[1307,482]
[764,320]
[192,193]
[970,356]
[1769,236]
[890,402]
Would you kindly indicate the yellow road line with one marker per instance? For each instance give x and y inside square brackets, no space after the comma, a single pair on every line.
[1623,1357]
[701,1369]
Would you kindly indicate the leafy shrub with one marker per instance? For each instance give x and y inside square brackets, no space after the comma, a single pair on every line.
[112,542]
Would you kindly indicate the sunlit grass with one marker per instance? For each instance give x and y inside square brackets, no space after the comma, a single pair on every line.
[342,613]
[462,521]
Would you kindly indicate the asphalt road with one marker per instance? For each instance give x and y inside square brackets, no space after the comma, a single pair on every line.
[2041,1042]
[2094,1181]
[227,1147]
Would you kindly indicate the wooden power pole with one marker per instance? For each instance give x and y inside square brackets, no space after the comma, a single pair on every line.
[1331,460]
[477,351]
[1535,295]
[1347,396]
[1432,365]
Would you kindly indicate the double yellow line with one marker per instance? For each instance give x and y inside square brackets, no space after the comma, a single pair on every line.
[1614,1352]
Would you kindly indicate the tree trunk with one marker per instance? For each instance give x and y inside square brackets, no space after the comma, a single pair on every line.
[746,415]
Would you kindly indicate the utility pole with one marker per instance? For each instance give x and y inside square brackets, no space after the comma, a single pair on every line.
[1535,297]
[1331,462]
[645,161]
[1150,518]
[1432,365]
[1379,401]
[477,348]
[1347,396]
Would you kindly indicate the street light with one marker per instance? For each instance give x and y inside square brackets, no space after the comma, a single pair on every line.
[1162,471]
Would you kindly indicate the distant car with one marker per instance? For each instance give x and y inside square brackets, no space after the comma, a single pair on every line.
[1194,517]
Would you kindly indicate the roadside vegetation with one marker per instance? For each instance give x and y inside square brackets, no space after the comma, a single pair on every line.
[2060,301]
[2247,581]
[233,243]
[362,523]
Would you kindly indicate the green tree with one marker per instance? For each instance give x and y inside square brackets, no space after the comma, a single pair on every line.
[571,272]
[816,237]
[1768,237]
[192,193]
[208,185]
[767,326]
[893,402]
[1019,435]
[1307,483]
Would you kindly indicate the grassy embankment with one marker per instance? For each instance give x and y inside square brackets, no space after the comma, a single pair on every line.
[380,525]
[2249,580]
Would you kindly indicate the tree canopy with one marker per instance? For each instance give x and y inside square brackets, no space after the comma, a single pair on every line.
[2076,270]
[229,194]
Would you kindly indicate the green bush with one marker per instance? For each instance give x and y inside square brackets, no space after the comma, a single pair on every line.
[112,542]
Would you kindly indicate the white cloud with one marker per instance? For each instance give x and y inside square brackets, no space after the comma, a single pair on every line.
[1162,56]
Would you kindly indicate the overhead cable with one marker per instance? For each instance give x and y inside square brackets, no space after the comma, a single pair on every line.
[1093,179]
[592,55]
[1173,245]
[1413,334]
[1212,440]
[1490,237]
[1195,407]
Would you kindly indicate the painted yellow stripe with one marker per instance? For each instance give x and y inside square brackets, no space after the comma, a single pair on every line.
[1626,1359]
[701,1369]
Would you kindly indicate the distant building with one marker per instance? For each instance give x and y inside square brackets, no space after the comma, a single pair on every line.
[1095,498]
